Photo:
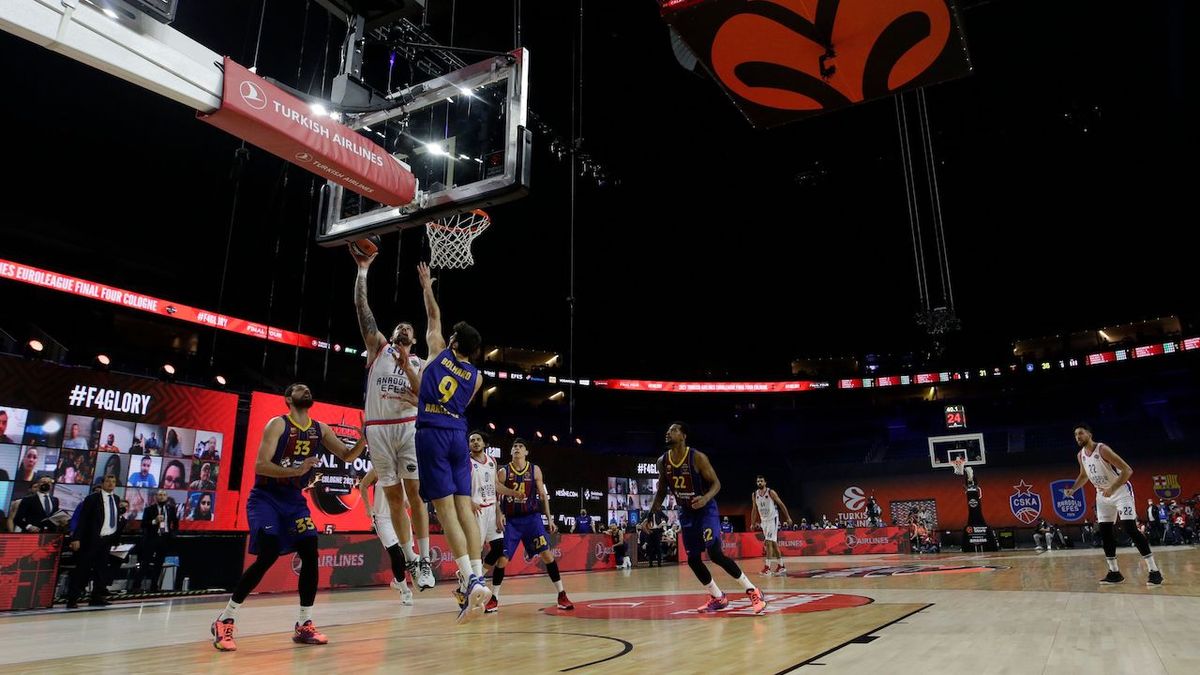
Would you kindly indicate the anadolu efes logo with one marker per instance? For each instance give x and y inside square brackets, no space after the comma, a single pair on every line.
[1067,506]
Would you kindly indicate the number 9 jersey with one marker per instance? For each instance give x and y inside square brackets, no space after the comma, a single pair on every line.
[446,388]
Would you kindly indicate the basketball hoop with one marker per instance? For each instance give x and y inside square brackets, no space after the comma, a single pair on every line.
[958,463]
[450,239]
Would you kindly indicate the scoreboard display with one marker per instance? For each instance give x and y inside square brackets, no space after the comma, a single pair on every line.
[956,417]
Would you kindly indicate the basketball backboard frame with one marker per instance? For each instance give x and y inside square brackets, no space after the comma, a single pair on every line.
[943,450]
[509,73]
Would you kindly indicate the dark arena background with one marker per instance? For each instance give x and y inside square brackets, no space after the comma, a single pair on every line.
[919,265]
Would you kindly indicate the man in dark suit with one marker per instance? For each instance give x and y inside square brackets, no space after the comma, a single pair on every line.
[94,535]
[159,525]
[35,509]
[653,526]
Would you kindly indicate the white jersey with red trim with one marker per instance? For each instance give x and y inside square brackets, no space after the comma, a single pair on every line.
[1102,474]
[386,383]
[483,481]
[766,506]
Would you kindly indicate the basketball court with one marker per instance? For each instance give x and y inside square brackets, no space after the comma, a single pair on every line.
[1000,612]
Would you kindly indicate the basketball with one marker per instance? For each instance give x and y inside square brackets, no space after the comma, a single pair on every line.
[366,247]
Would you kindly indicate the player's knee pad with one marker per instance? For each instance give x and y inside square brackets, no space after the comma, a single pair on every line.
[495,551]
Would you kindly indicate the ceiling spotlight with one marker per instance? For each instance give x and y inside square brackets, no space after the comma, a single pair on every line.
[221,380]
[538,434]
[578,441]
[492,426]
[103,359]
[168,369]
[554,438]
[511,432]
[36,345]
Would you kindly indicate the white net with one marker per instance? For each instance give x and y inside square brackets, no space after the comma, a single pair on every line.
[450,239]
[958,465]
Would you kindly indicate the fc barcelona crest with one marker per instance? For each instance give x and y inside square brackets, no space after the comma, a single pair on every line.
[1167,486]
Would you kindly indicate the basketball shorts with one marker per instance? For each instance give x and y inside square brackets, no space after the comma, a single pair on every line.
[393,451]
[445,463]
[528,530]
[487,525]
[285,516]
[700,529]
[770,528]
[1119,506]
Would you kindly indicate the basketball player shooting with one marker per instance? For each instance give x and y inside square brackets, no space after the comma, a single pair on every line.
[688,474]
[1110,475]
[391,415]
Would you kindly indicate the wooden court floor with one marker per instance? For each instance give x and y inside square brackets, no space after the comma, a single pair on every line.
[1010,612]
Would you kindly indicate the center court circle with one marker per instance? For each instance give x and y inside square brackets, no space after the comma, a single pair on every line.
[657,607]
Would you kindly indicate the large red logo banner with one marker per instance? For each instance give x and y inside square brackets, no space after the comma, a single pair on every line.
[272,119]
[781,60]
[857,541]
[352,560]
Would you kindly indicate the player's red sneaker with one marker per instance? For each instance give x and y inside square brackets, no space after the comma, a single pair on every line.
[714,604]
[223,635]
[308,634]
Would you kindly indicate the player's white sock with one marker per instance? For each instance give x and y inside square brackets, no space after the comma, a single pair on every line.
[714,590]
[1150,562]
[305,615]
[558,585]
[477,567]
[745,582]
[409,554]
[1112,564]
[423,547]
[464,569]
[230,612]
